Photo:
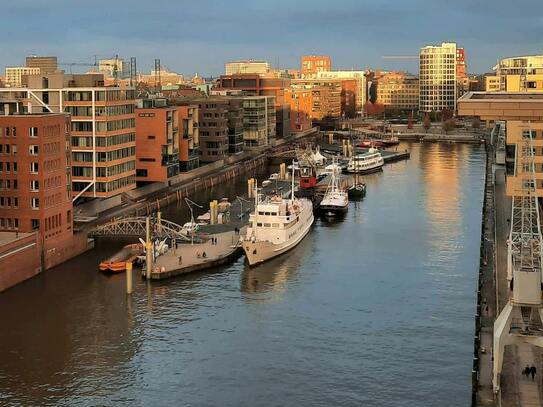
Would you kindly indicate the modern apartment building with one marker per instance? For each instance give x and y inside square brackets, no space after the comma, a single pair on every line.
[397,90]
[520,74]
[259,121]
[157,141]
[325,97]
[523,113]
[492,83]
[46,64]
[361,84]
[189,138]
[235,125]
[35,187]
[438,77]
[256,85]
[103,138]
[251,66]
[311,65]
[14,75]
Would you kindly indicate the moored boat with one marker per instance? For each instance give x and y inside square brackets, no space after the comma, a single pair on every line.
[117,262]
[276,226]
[335,200]
[365,163]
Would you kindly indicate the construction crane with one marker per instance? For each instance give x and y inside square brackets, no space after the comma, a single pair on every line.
[114,65]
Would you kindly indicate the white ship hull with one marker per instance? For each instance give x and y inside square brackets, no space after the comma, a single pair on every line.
[259,251]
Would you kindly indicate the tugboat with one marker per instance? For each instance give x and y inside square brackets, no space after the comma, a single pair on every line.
[276,226]
[336,200]
[357,190]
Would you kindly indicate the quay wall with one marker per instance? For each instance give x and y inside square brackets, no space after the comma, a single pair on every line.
[19,260]
[58,252]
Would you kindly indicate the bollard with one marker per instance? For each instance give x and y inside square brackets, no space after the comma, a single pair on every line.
[129,277]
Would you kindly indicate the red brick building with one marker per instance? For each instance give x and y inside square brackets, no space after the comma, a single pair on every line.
[300,101]
[35,185]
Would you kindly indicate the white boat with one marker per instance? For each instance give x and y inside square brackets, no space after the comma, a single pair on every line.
[274,176]
[335,200]
[367,162]
[276,226]
[330,169]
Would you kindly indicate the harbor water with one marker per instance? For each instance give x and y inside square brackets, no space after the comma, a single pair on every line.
[376,309]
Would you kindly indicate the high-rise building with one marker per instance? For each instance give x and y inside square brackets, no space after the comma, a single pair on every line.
[157,141]
[312,64]
[520,74]
[259,122]
[247,66]
[46,64]
[103,136]
[438,77]
[14,75]
[189,138]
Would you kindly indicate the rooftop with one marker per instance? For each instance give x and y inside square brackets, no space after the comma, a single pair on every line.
[502,96]
[8,237]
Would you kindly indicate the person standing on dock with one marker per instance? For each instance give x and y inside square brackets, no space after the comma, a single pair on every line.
[526,371]
[533,371]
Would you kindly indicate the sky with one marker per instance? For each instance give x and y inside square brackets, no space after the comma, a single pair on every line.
[192,36]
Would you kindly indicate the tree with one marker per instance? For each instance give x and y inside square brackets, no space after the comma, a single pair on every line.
[446,114]
[426,122]
[476,124]
[449,125]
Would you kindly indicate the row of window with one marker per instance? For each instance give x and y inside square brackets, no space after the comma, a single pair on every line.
[9,202]
[8,149]
[7,184]
[6,166]
[103,141]
[99,111]
[111,125]
[9,223]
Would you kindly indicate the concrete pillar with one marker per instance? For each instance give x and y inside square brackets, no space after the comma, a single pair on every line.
[282,171]
[147,230]
[250,187]
[331,138]
[159,222]
[129,277]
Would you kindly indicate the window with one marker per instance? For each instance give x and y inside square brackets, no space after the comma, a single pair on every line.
[35,223]
[34,168]
[35,203]
[33,132]
[151,137]
[34,185]
[14,149]
[33,150]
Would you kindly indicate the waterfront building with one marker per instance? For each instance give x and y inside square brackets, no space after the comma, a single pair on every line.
[520,74]
[360,92]
[251,66]
[259,121]
[438,75]
[46,64]
[523,113]
[14,75]
[300,100]
[189,140]
[235,125]
[397,90]
[103,136]
[325,97]
[311,65]
[256,85]
[157,141]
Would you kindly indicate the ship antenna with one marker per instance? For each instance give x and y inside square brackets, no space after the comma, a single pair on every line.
[292,187]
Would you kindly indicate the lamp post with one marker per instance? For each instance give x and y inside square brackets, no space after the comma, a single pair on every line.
[189,202]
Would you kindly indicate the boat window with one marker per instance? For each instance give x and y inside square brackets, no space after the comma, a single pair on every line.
[261,213]
[275,225]
[267,225]
[259,224]
[267,213]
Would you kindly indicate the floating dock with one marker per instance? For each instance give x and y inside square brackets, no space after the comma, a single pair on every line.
[388,155]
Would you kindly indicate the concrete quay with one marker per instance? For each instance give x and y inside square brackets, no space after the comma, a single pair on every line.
[187,258]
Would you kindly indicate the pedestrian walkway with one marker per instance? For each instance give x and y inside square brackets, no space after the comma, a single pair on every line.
[528,390]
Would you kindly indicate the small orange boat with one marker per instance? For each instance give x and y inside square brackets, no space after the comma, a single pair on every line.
[117,262]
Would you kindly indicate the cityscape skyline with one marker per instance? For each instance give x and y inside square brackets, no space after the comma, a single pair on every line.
[188,38]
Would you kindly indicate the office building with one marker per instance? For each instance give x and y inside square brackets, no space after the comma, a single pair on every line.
[47,65]
[157,141]
[251,66]
[325,98]
[438,77]
[397,90]
[311,65]
[300,100]
[14,75]
[520,74]
[235,125]
[259,121]
[103,136]
[361,84]
[492,83]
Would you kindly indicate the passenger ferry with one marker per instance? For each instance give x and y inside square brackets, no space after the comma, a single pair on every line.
[367,162]
[276,226]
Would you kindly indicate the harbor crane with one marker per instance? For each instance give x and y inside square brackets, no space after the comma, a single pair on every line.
[114,66]
[521,320]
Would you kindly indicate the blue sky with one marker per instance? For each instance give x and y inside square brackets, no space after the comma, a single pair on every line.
[199,36]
